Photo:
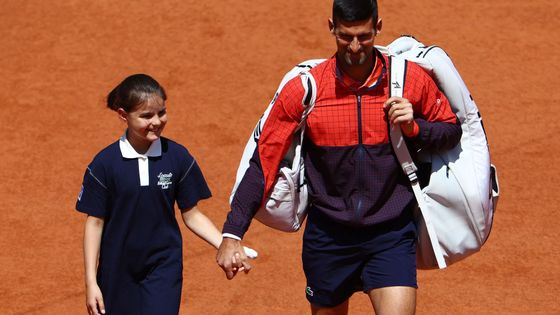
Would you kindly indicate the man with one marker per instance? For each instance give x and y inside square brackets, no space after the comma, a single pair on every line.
[360,234]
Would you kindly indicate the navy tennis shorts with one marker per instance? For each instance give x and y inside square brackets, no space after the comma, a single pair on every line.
[339,260]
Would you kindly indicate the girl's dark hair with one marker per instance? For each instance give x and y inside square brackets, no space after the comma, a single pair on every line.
[133,91]
[355,10]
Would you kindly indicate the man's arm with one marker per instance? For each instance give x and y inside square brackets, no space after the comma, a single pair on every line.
[274,141]
[434,126]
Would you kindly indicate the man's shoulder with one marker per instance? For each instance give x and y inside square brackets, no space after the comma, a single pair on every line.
[323,66]
[313,66]
[415,71]
[292,88]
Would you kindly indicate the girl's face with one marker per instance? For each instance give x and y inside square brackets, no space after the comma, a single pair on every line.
[145,123]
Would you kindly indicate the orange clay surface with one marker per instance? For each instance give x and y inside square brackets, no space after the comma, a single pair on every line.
[221,61]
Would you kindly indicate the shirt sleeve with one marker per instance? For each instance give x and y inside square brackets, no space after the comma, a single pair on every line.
[272,145]
[439,128]
[192,186]
[94,194]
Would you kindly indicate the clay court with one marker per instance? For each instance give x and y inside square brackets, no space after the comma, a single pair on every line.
[220,62]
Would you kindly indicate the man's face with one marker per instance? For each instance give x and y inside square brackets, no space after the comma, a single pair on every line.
[354,41]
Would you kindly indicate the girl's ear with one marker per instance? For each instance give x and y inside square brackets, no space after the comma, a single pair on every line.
[123,115]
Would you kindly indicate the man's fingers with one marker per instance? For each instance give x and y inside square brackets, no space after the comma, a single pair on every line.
[229,269]
[401,113]
[239,263]
[231,258]
[246,267]
[227,258]
[238,260]
[230,274]
[391,101]
[404,116]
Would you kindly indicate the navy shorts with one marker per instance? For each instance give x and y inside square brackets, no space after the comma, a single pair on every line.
[339,260]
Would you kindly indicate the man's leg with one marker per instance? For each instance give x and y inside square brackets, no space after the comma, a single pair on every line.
[340,309]
[390,275]
[332,263]
[393,300]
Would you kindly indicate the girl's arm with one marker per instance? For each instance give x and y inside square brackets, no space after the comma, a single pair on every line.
[197,222]
[92,243]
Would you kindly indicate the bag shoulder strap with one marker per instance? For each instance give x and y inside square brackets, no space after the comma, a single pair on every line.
[397,69]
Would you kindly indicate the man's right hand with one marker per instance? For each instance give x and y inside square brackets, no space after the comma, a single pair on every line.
[231,257]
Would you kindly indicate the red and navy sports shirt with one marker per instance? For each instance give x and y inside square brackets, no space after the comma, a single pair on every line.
[352,173]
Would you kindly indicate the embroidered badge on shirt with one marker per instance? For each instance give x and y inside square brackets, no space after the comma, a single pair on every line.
[164,180]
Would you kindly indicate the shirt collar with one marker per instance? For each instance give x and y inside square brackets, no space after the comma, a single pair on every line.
[128,151]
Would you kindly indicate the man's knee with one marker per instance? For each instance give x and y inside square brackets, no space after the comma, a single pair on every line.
[340,309]
[393,300]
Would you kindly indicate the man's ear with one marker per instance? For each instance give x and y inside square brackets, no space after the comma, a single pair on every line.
[123,115]
[378,26]
[331,26]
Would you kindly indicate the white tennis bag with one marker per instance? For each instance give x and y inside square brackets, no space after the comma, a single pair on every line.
[457,206]
[286,206]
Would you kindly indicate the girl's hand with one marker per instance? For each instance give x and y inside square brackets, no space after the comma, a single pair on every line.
[94,300]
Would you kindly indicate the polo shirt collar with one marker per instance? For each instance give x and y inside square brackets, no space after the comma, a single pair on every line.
[128,151]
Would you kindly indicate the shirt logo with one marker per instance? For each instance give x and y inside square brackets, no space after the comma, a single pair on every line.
[164,180]
[396,85]
[308,291]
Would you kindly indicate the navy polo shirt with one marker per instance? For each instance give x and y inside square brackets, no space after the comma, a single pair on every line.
[135,194]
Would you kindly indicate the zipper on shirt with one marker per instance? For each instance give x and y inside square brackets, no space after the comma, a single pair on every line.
[360,160]
[359,98]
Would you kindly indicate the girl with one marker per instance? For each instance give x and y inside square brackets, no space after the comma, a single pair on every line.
[132,242]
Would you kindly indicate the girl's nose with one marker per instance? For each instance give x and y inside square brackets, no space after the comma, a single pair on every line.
[156,121]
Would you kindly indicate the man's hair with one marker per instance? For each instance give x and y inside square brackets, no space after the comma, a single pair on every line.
[354,10]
